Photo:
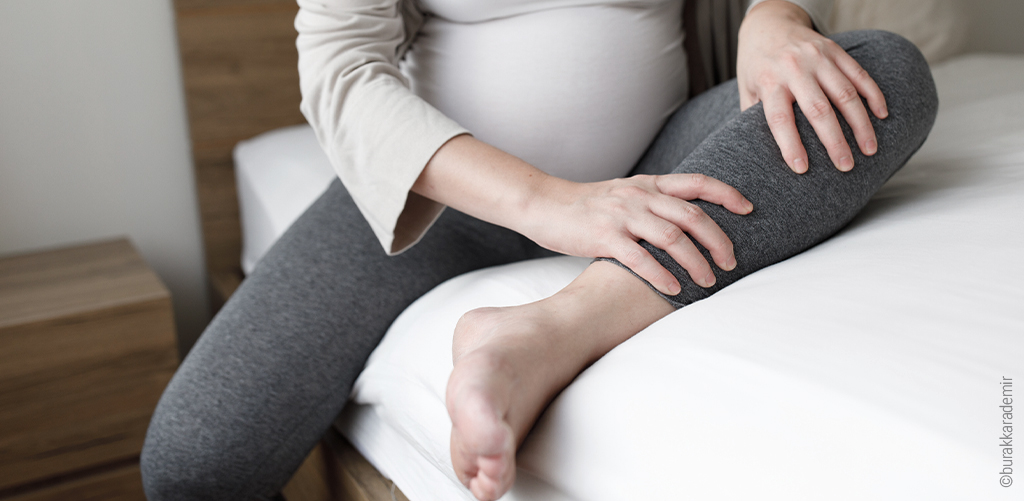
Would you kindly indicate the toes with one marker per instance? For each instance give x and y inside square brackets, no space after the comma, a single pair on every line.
[488,477]
[477,405]
[484,488]
[478,397]
[494,476]
[470,460]
[499,466]
[463,462]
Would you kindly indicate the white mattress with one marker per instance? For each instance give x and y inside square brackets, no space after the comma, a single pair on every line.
[865,368]
[279,174]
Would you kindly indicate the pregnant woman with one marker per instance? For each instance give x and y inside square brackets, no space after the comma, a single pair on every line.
[546,126]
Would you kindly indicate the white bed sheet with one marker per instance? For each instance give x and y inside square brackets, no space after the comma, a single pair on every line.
[279,174]
[865,368]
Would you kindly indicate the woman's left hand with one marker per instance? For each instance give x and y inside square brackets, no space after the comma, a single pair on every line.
[782,60]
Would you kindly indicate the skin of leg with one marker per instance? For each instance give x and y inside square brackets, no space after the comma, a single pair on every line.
[275,366]
[510,362]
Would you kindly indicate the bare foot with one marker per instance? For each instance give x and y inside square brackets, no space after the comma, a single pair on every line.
[510,362]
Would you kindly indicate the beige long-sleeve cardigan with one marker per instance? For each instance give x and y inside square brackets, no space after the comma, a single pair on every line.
[379,136]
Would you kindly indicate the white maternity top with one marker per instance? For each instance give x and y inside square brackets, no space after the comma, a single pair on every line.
[576,89]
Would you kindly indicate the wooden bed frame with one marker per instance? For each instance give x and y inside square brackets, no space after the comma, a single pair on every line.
[239,65]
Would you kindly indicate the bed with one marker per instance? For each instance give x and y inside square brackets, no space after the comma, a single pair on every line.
[871,367]
[868,367]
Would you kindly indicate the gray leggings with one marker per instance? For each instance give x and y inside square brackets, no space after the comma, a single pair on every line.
[276,365]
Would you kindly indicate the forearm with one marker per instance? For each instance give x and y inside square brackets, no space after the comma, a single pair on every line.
[485,182]
[375,131]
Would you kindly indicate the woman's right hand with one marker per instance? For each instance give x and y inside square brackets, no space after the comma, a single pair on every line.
[608,218]
[602,219]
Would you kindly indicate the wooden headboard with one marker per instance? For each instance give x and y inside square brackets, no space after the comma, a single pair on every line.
[240,71]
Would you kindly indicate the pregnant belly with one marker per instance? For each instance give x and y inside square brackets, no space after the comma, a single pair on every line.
[578,92]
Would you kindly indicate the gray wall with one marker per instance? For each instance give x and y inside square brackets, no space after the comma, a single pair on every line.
[93,137]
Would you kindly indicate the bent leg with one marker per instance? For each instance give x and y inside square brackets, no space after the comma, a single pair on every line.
[276,365]
[509,362]
[792,212]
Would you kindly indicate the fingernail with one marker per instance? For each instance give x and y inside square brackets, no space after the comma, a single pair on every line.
[709,279]
[845,164]
[673,289]
[749,206]
[882,113]
[731,264]
[799,166]
[870,147]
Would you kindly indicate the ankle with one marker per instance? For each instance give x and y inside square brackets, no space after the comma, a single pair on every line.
[606,305]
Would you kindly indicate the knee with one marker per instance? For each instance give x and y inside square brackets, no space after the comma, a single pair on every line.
[163,470]
[901,72]
[896,64]
[170,468]
[184,457]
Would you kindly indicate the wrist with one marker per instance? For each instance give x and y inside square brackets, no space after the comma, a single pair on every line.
[539,204]
[778,11]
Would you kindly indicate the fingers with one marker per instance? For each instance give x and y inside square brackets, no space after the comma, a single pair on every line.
[636,258]
[747,98]
[778,110]
[694,222]
[818,110]
[841,83]
[816,79]
[667,227]
[667,221]
[841,91]
[694,186]
[865,85]
[668,237]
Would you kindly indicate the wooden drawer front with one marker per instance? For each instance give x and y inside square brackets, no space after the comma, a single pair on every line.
[120,484]
[78,391]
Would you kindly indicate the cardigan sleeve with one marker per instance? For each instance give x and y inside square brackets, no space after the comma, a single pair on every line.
[819,10]
[377,134]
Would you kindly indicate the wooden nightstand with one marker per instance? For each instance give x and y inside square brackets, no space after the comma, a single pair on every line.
[87,344]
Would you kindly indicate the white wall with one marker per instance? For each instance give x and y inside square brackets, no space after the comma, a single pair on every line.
[93,140]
